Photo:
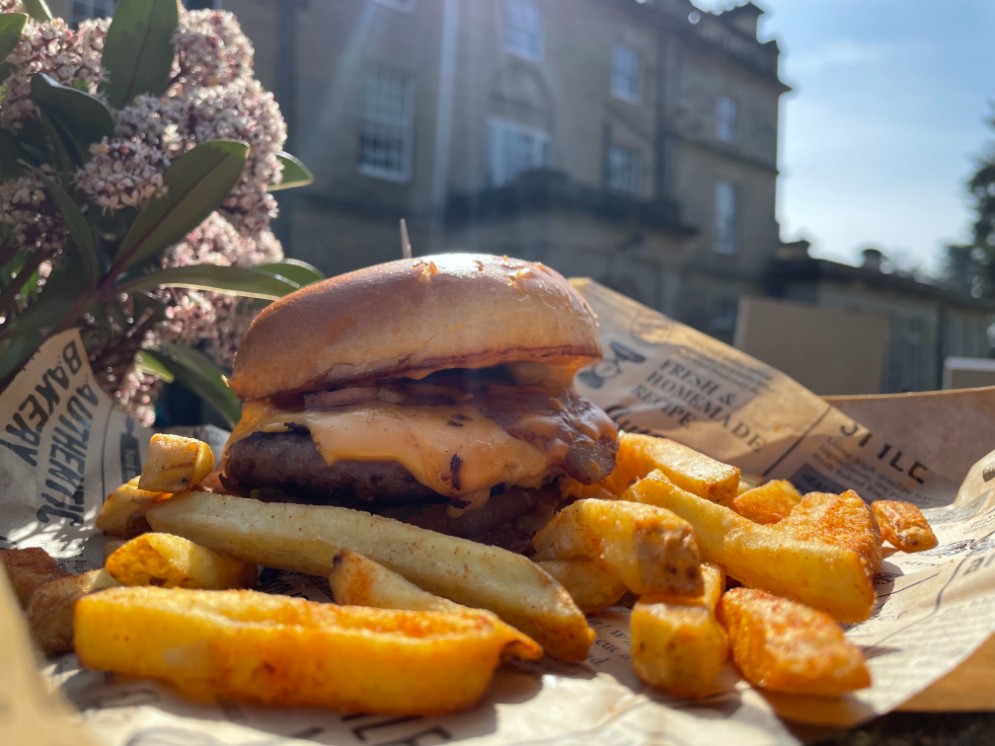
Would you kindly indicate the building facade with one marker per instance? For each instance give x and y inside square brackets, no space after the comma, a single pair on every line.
[632,142]
[927,324]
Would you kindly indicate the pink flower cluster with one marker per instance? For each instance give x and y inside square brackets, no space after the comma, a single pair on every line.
[122,173]
[34,221]
[212,95]
[53,48]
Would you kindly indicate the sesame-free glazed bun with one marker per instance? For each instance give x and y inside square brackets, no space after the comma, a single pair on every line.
[412,317]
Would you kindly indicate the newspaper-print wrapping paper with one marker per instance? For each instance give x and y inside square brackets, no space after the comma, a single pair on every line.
[64,447]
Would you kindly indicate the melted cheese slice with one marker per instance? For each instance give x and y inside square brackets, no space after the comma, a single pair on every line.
[453,450]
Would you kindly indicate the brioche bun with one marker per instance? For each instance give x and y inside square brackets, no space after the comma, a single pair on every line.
[412,317]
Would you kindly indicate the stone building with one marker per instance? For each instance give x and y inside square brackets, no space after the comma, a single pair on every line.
[633,142]
[927,324]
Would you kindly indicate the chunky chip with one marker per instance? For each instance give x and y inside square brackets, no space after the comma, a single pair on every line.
[785,646]
[823,575]
[50,610]
[175,463]
[649,549]
[29,569]
[305,538]
[639,454]
[174,562]
[843,520]
[678,644]
[279,650]
[687,468]
[592,586]
[769,502]
[903,525]
[356,580]
[124,509]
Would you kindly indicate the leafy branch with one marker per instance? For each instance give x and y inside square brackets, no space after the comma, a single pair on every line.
[73,260]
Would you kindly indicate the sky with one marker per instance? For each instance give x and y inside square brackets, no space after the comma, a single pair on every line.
[887,120]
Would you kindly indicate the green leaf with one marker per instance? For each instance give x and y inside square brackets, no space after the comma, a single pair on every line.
[11,156]
[197,183]
[5,70]
[65,286]
[14,353]
[60,149]
[11,27]
[146,363]
[293,173]
[79,230]
[293,269]
[138,54]
[45,312]
[202,376]
[79,118]
[243,281]
[38,9]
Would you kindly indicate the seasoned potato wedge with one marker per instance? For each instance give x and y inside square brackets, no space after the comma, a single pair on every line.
[356,580]
[280,650]
[823,575]
[306,537]
[843,520]
[903,525]
[785,646]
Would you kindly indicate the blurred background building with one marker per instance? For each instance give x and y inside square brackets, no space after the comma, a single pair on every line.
[635,143]
[631,141]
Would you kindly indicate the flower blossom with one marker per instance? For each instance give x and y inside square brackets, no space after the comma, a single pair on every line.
[122,173]
[214,321]
[211,50]
[35,222]
[154,121]
[53,48]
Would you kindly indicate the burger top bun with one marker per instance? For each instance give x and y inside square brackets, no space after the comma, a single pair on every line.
[413,317]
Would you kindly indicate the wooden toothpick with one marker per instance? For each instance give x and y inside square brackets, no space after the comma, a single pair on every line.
[405,242]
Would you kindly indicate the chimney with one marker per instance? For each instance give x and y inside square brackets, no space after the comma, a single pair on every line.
[873,259]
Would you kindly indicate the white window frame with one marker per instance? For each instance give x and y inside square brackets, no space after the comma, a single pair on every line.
[727,119]
[625,170]
[391,120]
[524,30]
[627,74]
[403,6]
[727,209]
[503,163]
[84,10]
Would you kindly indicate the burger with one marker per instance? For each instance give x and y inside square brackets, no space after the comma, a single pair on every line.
[438,390]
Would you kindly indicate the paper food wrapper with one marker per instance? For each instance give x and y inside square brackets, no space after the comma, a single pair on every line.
[64,447]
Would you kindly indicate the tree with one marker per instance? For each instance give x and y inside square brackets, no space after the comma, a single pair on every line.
[980,253]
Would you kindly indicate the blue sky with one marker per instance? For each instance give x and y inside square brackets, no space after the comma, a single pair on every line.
[885,124]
